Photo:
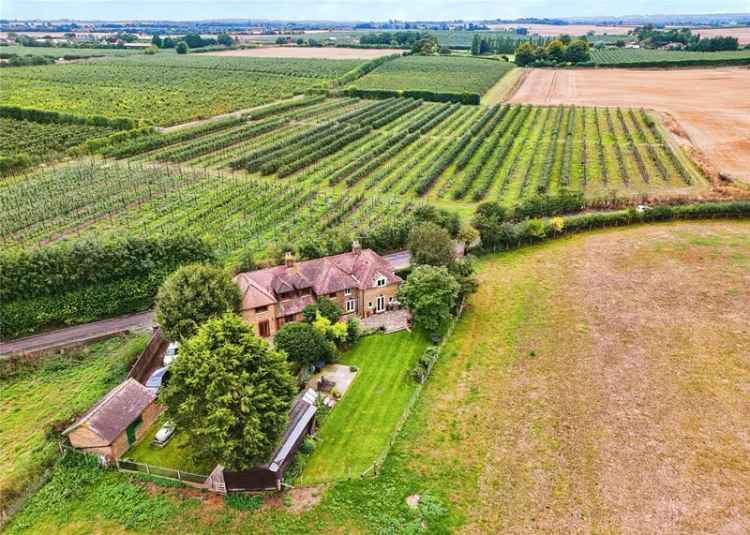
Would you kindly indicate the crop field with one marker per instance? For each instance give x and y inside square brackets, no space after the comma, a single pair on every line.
[61,387]
[620,57]
[718,129]
[316,165]
[44,141]
[60,52]
[438,74]
[165,89]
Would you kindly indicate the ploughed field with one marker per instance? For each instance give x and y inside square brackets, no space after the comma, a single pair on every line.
[710,107]
[313,166]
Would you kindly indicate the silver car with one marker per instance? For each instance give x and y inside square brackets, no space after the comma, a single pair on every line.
[164,434]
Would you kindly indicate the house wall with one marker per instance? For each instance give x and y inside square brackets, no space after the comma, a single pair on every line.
[250,316]
[371,294]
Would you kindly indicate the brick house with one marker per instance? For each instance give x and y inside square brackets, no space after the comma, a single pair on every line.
[361,282]
[116,421]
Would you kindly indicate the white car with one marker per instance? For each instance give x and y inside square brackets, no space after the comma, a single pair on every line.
[171,353]
[164,434]
[157,380]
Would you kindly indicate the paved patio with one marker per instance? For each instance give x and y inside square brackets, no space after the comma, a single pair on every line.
[392,321]
[340,374]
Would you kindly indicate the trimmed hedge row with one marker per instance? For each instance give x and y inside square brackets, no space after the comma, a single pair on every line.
[508,235]
[41,116]
[431,96]
[85,280]
[670,63]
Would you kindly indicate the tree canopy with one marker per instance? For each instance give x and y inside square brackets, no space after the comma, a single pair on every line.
[230,393]
[431,244]
[431,293]
[303,344]
[190,296]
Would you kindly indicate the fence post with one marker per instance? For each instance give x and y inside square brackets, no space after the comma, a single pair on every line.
[179,476]
[148,470]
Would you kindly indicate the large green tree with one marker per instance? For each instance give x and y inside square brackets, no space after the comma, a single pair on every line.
[430,293]
[431,244]
[303,344]
[190,296]
[230,392]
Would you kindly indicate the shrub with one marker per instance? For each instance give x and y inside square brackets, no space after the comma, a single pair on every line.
[244,502]
[303,344]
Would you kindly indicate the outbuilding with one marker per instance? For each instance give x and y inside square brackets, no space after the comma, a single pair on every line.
[269,475]
[116,421]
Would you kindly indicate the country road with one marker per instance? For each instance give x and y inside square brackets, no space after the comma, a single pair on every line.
[77,334]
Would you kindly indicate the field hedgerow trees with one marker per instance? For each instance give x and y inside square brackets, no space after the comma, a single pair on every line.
[192,295]
[431,244]
[230,392]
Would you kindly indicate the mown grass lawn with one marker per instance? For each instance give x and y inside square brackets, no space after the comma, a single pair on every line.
[53,392]
[361,423]
[175,453]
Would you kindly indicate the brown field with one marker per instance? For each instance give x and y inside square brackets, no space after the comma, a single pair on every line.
[742,34]
[327,52]
[570,29]
[599,384]
[709,108]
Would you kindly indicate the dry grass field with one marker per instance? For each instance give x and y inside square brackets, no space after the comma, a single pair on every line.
[599,384]
[742,33]
[709,108]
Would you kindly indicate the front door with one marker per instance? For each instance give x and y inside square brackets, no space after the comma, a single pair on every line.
[380,304]
[132,429]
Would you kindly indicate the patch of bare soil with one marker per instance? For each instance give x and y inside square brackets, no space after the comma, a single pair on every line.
[326,52]
[711,106]
[742,34]
[296,500]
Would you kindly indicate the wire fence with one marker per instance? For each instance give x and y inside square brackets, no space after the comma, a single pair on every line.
[126,465]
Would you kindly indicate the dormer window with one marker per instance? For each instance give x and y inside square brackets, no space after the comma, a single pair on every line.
[348,292]
[380,281]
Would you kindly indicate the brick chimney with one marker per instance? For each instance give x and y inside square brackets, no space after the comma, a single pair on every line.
[288,259]
[356,247]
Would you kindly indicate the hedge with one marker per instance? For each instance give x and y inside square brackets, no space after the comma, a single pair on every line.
[431,96]
[510,235]
[42,116]
[90,303]
[86,280]
[363,69]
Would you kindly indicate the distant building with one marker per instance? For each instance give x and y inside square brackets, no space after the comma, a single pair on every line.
[361,282]
[116,421]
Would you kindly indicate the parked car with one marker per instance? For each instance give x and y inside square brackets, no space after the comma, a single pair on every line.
[157,380]
[171,353]
[164,434]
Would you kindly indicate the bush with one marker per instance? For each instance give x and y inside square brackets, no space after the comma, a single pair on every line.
[244,502]
[303,344]
[427,360]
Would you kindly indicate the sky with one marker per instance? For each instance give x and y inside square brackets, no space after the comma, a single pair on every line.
[348,10]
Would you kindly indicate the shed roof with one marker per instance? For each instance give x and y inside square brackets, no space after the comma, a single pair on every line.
[303,410]
[112,414]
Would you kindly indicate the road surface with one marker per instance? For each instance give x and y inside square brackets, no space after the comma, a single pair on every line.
[78,333]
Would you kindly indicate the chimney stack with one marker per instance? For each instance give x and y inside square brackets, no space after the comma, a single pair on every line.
[288,259]
[356,247]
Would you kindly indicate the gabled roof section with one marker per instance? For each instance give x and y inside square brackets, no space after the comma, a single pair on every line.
[302,412]
[112,414]
[324,275]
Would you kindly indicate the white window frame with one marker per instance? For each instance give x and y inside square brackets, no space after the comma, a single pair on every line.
[348,292]
[378,308]
[381,282]
[351,305]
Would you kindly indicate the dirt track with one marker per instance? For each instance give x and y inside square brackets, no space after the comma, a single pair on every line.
[328,52]
[710,106]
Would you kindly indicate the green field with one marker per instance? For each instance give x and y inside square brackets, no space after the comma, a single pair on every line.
[441,74]
[44,141]
[68,52]
[620,57]
[165,89]
[360,425]
[60,388]
[244,183]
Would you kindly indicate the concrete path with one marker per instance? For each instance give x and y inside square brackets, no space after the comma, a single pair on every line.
[78,334]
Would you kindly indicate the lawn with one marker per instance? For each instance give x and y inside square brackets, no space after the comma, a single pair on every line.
[358,428]
[60,388]
[174,454]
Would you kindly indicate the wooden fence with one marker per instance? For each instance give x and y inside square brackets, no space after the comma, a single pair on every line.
[125,465]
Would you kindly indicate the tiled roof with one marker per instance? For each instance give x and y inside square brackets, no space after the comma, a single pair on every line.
[112,414]
[323,275]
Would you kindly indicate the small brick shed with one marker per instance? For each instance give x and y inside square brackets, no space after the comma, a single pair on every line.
[116,421]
